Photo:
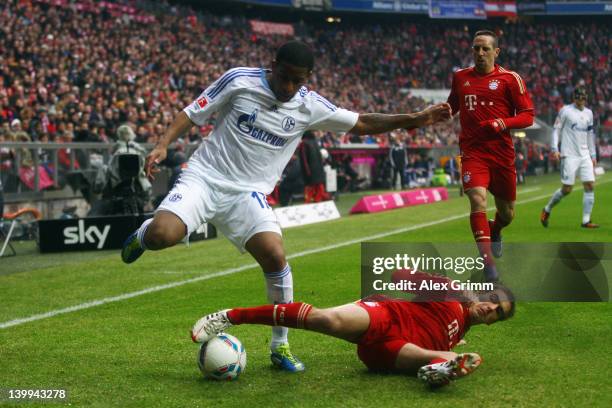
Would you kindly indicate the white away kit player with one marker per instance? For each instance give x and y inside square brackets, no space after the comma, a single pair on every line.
[574,130]
[261,116]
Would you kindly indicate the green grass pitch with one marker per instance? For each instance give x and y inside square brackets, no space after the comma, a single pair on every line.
[136,351]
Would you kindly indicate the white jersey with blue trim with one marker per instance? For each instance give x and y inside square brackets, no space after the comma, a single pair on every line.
[255,134]
[575,129]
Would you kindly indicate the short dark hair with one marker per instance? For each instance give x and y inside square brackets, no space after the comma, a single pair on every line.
[579,92]
[296,53]
[490,34]
[505,294]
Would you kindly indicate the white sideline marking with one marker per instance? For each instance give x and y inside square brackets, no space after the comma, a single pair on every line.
[100,302]
[528,190]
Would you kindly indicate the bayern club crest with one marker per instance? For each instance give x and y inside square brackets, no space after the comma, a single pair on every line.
[467,176]
[493,84]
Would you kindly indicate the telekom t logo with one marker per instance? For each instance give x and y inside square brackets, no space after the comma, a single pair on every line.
[470,101]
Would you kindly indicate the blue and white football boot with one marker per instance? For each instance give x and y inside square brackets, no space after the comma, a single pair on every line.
[131,250]
[282,358]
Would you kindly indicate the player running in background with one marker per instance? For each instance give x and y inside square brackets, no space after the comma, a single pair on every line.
[490,100]
[574,124]
[262,115]
[391,335]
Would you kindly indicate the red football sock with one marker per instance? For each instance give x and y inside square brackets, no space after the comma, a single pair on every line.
[482,235]
[498,224]
[287,314]
[438,360]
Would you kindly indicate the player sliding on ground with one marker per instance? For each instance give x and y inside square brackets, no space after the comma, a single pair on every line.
[261,116]
[391,335]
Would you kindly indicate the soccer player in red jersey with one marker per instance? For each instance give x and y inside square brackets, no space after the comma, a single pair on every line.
[490,100]
[391,335]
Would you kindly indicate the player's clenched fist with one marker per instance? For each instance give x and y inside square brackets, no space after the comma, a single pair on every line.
[495,126]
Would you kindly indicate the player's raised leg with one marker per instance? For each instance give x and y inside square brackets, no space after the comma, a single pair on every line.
[554,200]
[164,230]
[348,322]
[186,207]
[267,249]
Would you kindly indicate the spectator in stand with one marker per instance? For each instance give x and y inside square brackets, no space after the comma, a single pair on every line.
[423,170]
[313,173]
[1,200]
[398,158]
[6,159]
[328,140]
[452,167]
[347,176]
[122,64]
[64,156]
[291,182]
[519,163]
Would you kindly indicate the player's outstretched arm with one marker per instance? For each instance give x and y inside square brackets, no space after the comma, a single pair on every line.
[373,123]
[181,124]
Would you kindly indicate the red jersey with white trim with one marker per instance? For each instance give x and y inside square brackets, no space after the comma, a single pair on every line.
[431,325]
[478,98]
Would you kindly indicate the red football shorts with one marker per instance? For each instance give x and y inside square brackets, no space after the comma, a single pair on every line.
[380,345]
[498,178]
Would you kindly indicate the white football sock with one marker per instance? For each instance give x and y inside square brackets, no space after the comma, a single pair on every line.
[554,200]
[141,232]
[588,200]
[280,290]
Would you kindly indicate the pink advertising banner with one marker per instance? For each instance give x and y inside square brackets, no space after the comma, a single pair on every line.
[391,201]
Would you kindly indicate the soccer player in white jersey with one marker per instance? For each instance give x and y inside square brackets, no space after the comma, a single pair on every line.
[574,126]
[262,115]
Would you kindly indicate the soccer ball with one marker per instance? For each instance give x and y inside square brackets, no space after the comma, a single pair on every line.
[222,358]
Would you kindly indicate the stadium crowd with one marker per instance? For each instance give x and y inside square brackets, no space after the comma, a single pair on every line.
[69,74]
[75,71]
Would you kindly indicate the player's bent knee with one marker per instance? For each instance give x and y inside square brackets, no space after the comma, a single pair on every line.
[274,259]
[478,201]
[321,320]
[267,249]
[163,234]
[478,206]
[508,215]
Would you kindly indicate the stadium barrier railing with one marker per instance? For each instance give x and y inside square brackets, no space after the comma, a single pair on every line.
[22,164]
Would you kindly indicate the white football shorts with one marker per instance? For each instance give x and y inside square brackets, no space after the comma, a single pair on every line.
[571,165]
[238,215]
